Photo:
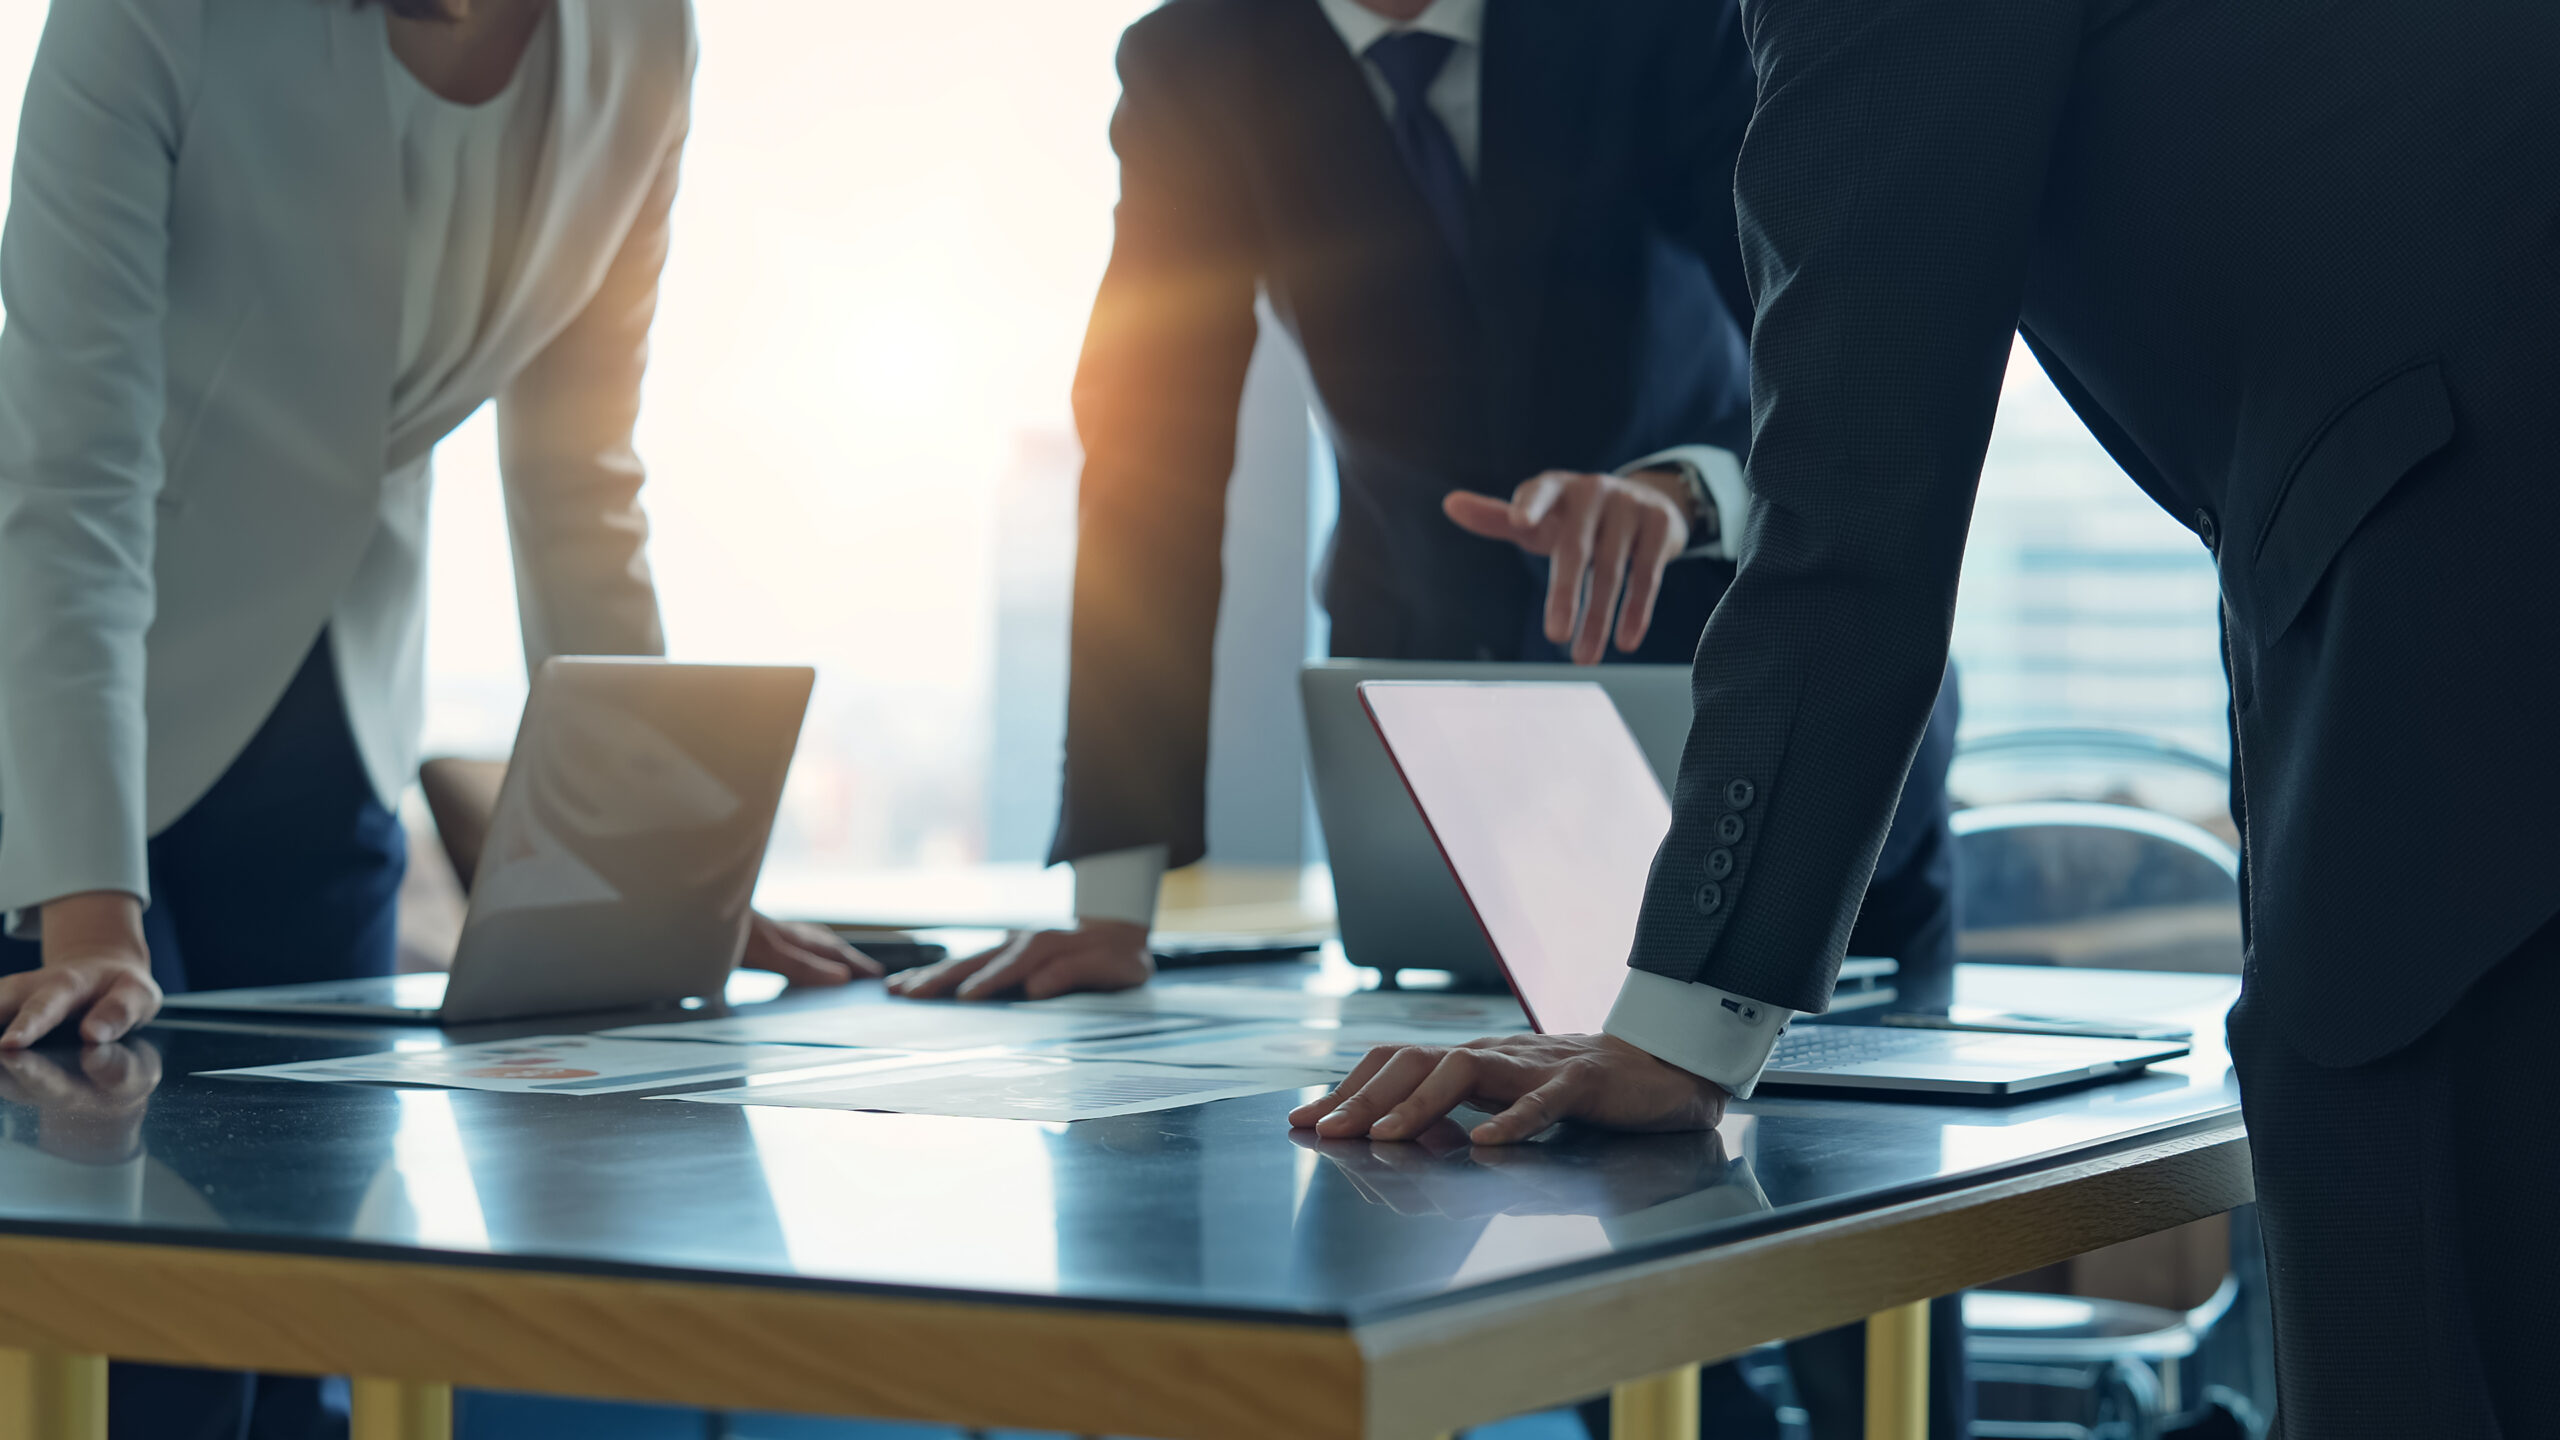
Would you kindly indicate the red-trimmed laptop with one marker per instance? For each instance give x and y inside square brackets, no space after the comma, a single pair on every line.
[1549,816]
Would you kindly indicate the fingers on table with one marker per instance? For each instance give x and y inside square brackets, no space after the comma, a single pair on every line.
[1325,1104]
[928,982]
[827,945]
[36,1001]
[796,955]
[1398,1091]
[1462,1075]
[1540,1106]
[1014,964]
[1091,967]
[129,1000]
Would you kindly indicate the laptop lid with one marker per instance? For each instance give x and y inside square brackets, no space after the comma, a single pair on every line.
[1549,817]
[1397,904]
[624,850]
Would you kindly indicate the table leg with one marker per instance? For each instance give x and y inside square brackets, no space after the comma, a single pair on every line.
[402,1410]
[1898,1374]
[53,1397]
[1658,1407]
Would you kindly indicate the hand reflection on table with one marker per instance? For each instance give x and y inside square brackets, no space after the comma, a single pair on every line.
[89,1108]
[1637,1185]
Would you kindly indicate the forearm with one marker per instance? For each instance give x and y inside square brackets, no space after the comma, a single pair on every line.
[1141,652]
[83,382]
[1887,198]
[1156,392]
[572,473]
[73,614]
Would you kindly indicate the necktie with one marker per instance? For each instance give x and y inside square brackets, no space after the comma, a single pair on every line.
[1409,61]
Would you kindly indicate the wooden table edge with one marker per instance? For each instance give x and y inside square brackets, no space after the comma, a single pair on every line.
[719,1346]
[1473,1361]
[1058,1366]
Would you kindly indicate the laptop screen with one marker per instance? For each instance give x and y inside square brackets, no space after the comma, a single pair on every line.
[1549,817]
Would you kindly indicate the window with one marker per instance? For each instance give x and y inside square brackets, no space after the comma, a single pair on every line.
[892,223]
[2083,603]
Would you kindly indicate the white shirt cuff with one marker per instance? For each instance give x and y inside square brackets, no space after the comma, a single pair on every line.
[1120,885]
[1708,1032]
[1721,471]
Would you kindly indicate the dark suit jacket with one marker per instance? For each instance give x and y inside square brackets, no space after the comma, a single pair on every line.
[1592,325]
[2298,266]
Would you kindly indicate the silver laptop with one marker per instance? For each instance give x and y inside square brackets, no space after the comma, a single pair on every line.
[1392,894]
[1552,853]
[1396,904]
[621,858]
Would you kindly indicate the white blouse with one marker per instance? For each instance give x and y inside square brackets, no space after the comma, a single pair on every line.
[467,173]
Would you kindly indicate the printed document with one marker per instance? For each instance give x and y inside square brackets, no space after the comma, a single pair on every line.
[1480,1014]
[1320,1045]
[912,1025]
[554,1065]
[1021,1087]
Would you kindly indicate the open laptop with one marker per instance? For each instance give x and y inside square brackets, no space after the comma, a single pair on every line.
[1548,816]
[621,857]
[1393,896]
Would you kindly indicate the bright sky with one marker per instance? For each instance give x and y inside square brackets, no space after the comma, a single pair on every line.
[892,223]
[893,219]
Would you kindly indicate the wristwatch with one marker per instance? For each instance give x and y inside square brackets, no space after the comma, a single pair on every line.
[1704,526]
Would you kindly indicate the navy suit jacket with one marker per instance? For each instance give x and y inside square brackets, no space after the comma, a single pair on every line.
[1592,324]
[2290,261]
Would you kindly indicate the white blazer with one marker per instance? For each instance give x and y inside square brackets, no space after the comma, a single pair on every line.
[202,274]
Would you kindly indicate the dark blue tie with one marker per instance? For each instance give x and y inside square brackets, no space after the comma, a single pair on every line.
[1409,62]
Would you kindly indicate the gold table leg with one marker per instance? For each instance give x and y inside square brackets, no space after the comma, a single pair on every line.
[1658,1407]
[1898,1374]
[53,1397]
[401,1410]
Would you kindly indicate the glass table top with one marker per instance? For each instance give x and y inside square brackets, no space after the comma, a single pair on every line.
[1214,1209]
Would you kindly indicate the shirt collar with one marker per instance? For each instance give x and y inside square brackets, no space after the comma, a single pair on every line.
[1360,27]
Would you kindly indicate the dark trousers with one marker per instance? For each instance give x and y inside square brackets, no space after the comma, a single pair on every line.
[287,870]
[2408,1210]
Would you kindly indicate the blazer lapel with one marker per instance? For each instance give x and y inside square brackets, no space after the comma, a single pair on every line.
[357,290]
[1360,204]
[516,322]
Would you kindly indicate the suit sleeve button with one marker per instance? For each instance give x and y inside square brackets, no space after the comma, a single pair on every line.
[1719,863]
[1740,794]
[1710,898]
[1729,829]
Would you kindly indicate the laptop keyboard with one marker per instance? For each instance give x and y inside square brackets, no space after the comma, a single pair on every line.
[1830,1047]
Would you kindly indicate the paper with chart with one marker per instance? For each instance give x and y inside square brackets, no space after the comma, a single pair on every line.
[554,1065]
[1483,1014]
[1021,1087]
[912,1025]
[1334,1047]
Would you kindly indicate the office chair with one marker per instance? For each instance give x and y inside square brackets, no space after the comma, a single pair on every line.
[2095,848]
[2092,883]
[462,795]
